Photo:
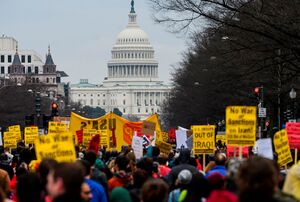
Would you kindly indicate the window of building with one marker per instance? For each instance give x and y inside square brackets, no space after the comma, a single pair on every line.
[92,102]
[9,58]
[84,95]
[91,95]
[8,69]
[103,95]
[78,95]
[99,102]
[139,110]
[29,58]
[98,95]
[23,58]
[37,80]
[53,80]
[29,70]
[124,111]
[2,70]
[124,102]
[146,110]
[36,70]
[103,102]
[47,80]
[2,59]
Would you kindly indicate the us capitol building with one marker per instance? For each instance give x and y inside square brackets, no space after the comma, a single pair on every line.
[132,84]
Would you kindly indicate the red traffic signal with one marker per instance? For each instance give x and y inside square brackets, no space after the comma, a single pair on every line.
[256,90]
[54,106]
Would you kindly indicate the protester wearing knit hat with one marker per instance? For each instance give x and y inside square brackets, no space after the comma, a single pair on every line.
[120,194]
[184,178]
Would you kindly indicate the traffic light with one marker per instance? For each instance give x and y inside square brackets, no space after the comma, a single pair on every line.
[54,111]
[257,92]
[38,103]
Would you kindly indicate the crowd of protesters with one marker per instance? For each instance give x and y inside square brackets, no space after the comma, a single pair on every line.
[157,177]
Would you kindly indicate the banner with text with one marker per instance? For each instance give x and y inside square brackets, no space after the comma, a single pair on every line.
[203,139]
[282,148]
[118,130]
[241,125]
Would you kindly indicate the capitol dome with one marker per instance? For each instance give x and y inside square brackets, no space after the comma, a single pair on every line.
[132,55]
[132,35]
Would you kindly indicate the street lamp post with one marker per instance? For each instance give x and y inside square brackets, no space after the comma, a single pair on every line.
[293,95]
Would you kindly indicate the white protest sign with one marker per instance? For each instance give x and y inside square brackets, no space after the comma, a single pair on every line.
[137,146]
[181,138]
[264,148]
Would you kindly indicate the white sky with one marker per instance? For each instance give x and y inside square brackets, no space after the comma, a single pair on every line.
[82,32]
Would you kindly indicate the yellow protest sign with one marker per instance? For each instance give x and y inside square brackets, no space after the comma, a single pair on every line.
[204,139]
[87,135]
[112,124]
[31,134]
[9,140]
[164,147]
[17,130]
[282,148]
[57,127]
[56,146]
[241,125]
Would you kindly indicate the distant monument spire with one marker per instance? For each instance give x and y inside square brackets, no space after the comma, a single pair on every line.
[49,49]
[132,7]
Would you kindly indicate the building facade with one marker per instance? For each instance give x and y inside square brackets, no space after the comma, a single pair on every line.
[26,67]
[132,84]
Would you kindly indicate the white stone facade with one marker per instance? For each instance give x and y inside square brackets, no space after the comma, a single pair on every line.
[29,58]
[132,84]
[30,68]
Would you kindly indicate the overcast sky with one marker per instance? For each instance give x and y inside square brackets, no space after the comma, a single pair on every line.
[82,32]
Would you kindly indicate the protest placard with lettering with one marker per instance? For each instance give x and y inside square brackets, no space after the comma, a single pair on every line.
[56,146]
[31,134]
[282,148]
[10,140]
[164,147]
[241,125]
[203,139]
[57,127]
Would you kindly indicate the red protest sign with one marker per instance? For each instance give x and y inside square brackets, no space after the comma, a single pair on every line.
[293,132]
[94,143]
[230,151]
